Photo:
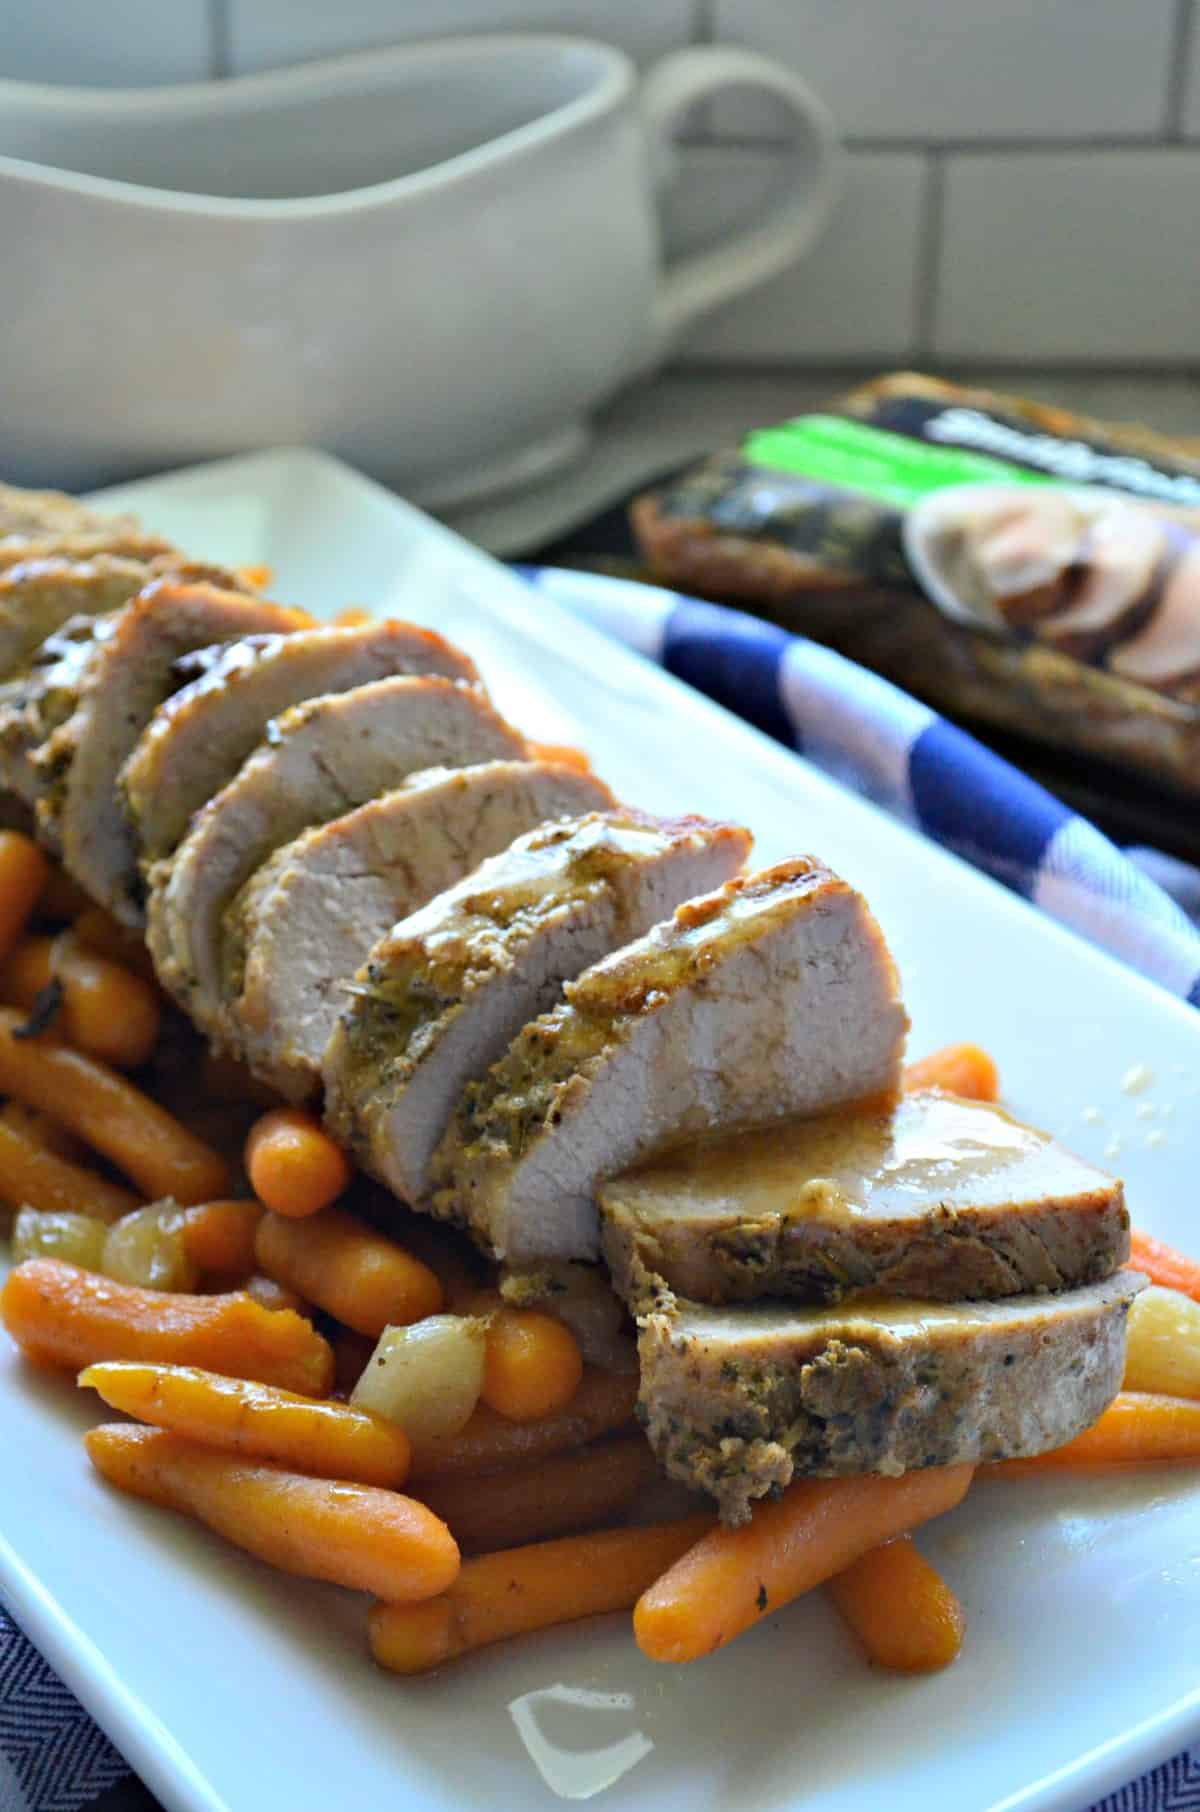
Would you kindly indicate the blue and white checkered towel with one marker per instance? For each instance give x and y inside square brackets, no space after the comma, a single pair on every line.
[883,744]
[906,758]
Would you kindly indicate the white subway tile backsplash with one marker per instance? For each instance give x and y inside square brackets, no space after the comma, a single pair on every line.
[935,69]
[853,296]
[1089,255]
[267,33]
[122,44]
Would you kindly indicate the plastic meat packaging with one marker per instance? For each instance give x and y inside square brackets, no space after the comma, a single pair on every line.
[1021,567]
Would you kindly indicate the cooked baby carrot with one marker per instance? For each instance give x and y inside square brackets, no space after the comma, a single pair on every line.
[346,1268]
[33,1175]
[97,931]
[24,873]
[353,616]
[44,1131]
[817,1528]
[161,1156]
[528,1588]
[103,1010]
[489,1443]
[565,754]
[900,1608]
[532,1365]
[258,1420]
[552,1497]
[1164,1264]
[353,1535]
[60,1315]
[961,1069]
[293,1164]
[1137,1426]
[219,1236]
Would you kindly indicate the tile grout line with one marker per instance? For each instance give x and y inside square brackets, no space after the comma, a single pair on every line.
[219,39]
[1182,38]
[931,233]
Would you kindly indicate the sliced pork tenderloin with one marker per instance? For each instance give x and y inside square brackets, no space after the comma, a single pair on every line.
[776,995]
[441,996]
[36,703]
[38,596]
[930,1197]
[130,672]
[25,515]
[80,550]
[200,736]
[318,761]
[305,923]
[739,1401]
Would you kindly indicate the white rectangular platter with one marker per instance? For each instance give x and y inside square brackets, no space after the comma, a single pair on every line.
[228,1686]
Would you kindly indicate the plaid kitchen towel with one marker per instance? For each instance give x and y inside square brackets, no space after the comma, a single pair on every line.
[885,745]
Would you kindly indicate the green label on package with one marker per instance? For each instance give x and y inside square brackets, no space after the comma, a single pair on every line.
[848,456]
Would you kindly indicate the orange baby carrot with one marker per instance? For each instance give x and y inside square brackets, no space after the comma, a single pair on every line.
[97,931]
[900,1608]
[559,1496]
[293,1164]
[603,1404]
[219,1236]
[104,1010]
[1164,1264]
[532,1365]
[346,1268]
[817,1528]
[353,1535]
[529,1588]
[24,873]
[1137,1426]
[961,1069]
[161,1156]
[258,1420]
[60,1315]
[33,1175]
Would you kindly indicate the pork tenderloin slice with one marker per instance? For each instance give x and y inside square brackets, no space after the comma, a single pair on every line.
[130,674]
[445,991]
[27,515]
[38,596]
[35,703]
[318,761]
[739,1401]
[307,920]
[775,995]
[931,1197]
[199,737]
[28,550]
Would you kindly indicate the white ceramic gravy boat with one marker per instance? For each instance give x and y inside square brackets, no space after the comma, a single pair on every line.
[433,260]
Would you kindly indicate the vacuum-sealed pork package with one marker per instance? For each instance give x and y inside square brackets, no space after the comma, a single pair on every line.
[1021,567]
